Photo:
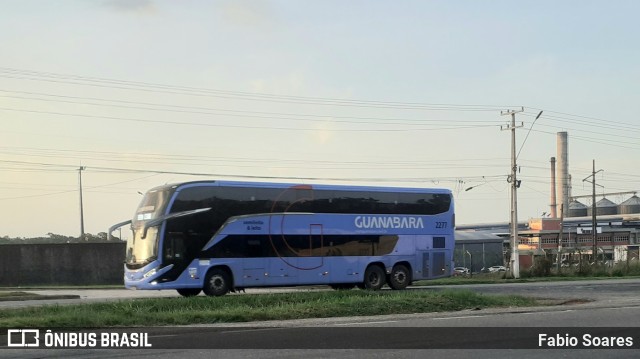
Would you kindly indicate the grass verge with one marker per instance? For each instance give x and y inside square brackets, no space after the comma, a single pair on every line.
[244,308]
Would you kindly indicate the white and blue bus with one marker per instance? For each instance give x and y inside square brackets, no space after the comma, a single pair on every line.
[222,236]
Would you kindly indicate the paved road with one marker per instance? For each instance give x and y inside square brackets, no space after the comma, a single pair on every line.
[602,292]
[612,303]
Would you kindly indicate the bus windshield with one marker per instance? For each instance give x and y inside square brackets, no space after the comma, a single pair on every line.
[142,248]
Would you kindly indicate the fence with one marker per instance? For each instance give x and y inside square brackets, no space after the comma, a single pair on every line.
[61,264]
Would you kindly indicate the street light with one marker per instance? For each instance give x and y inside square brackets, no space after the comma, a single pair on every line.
[472,187]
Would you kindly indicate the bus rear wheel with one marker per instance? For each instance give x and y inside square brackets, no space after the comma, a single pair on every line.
[374,277]
[189,292]
[217,283]
[399,277]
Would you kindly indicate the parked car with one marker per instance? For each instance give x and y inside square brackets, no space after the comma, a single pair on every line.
[460,271]
[494,269]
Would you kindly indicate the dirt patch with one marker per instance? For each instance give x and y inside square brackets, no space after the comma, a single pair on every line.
[576,301]
[551,301]
[22,296]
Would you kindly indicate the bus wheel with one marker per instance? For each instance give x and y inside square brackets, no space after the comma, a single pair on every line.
[216,283]
[189,292]
[399,277]
[374,277]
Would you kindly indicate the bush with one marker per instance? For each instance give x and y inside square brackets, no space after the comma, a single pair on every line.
[541,267]
[617,272]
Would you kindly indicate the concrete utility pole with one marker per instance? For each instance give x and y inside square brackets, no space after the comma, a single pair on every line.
[515,255]
[594,210]
[560,237]
[81,207]
[554,204]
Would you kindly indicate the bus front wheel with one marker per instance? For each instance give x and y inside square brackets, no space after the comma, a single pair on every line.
[217,282]
[374,277]
[399,277]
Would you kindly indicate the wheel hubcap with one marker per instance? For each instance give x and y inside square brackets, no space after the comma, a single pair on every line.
[374,279]
[217,282]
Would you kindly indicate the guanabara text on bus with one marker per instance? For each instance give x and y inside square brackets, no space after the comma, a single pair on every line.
[222,236]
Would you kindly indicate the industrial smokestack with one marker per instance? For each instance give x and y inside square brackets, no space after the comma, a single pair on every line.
[563,170]
[554,213]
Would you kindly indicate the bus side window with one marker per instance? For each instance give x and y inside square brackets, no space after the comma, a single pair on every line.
[439,242]
[255,247]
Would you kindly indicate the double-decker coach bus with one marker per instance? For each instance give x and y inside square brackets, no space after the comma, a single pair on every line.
[221,236]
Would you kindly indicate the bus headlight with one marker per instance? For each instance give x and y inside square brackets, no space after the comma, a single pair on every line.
[150,273]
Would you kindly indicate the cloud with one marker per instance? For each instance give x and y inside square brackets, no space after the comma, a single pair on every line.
[247,13]
[290,83]
[323,133]
[142,7]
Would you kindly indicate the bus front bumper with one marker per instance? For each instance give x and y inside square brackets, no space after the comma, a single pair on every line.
[145,278]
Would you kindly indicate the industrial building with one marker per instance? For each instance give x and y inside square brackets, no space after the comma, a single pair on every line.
[616,237]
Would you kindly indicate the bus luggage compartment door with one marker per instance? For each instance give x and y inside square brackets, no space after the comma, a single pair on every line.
[432,264]
[424,265]
[253,272]
[440,266]
[282,271]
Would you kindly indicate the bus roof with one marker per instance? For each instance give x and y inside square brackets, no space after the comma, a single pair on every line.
[303,185]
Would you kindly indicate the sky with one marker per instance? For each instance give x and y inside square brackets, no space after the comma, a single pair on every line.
[140,93]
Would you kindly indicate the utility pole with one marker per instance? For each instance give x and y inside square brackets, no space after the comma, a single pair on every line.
[594,211]
[554,204]
[80,169]
[560,237]
[515,255]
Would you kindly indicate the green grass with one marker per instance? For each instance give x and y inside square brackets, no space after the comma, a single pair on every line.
[243,308]
[494,278]
[586,272]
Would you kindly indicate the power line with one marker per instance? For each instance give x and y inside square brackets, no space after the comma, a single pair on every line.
[567,116]
[74,190]
[593,120]
[525,139]
[228,112]
[236,126]
[194,91]
[152,171]
[239,162]
[593,140]
[84,80]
